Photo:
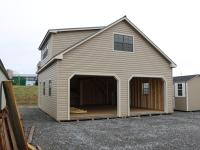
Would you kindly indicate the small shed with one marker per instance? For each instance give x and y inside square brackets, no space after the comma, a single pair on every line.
[3,76]
[187,92]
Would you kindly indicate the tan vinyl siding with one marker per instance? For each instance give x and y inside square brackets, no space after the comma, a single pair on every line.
[48,103]
[2,97]
[194,94]
[97,55]
[181,103]
[63,40]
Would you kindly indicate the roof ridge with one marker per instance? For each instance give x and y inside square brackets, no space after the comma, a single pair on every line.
[79,28]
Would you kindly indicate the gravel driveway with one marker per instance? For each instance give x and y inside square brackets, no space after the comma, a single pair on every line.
[180,130]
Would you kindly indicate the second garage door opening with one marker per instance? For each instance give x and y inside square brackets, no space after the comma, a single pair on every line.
[146,95]
[93,97]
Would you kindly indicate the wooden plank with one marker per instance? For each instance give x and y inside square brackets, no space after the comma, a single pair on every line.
[14,116]
[30,136]
[14,144]
[39,148]
[151,94]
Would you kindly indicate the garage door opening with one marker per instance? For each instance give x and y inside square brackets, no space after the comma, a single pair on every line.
[146,96]
[93,97]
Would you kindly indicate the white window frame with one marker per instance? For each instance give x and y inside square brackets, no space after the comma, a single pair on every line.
[120,51]
[183,89]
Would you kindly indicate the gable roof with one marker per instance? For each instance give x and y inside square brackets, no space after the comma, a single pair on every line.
[3,70]
[60,55]
[184,78]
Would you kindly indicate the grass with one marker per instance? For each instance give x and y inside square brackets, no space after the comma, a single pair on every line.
[26,95]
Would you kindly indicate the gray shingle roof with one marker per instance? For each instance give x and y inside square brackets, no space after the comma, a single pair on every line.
[184,78]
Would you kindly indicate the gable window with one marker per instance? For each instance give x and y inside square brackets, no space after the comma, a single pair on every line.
[180,90]
[45,52]
[43,88]
[123,43]
[145,88]
[50,87]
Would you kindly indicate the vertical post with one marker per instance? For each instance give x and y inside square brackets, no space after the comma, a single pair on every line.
[14,116]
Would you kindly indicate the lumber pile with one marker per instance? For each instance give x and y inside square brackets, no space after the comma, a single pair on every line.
[12,135]
[74,110]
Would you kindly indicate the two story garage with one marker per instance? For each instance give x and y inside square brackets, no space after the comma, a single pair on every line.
[109,71]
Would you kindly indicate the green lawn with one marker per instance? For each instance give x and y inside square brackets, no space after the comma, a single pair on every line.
[26,95]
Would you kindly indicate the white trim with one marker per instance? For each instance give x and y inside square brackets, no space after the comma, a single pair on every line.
[95,74]
[150,76]
[113,44]
[186,94]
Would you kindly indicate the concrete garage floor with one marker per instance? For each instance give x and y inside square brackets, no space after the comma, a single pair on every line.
[180,130]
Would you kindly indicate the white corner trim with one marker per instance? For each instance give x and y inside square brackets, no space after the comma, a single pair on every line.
[150,76]
[95,74]
[186,94]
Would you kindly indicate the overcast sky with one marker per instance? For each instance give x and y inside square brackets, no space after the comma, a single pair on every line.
[173,25]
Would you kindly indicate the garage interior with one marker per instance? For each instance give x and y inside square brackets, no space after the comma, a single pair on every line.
[146,96]
[93,97]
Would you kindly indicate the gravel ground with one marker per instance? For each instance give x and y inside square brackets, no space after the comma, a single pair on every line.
[180,130]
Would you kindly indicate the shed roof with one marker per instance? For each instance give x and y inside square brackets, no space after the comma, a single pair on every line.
[3,69]
[184,78]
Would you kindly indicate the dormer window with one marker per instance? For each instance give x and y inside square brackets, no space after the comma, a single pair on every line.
[45,52]
[123,43]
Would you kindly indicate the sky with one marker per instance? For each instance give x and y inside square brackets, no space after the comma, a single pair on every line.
[173,25]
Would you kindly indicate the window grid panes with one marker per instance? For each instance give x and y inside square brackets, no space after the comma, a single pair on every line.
[180,90]
[123,42]
[146,89]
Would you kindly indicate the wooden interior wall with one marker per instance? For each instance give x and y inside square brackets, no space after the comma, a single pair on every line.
[74,92]
[98,91]
[154,100]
